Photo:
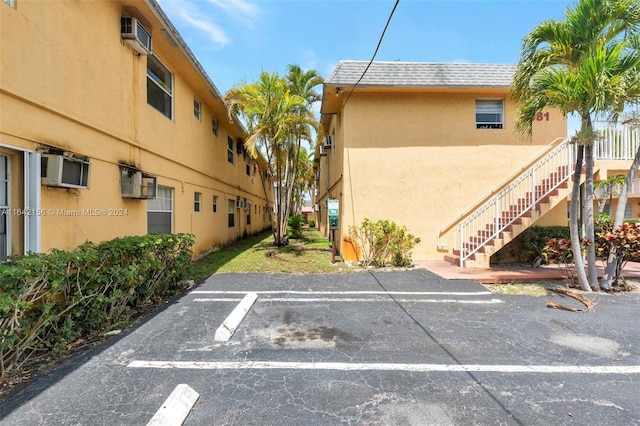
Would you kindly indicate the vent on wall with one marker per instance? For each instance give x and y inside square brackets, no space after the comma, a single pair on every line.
[135,184]
[134,33]
[64,171]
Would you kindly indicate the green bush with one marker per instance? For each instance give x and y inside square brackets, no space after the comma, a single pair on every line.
[527,247]
[49,300]
[383,243]
[312,223]
[295,226]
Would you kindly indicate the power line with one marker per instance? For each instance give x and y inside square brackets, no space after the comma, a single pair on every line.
[374,53]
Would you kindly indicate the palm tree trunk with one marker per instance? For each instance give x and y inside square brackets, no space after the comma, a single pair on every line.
[619,218]
[573,223]
[589,219]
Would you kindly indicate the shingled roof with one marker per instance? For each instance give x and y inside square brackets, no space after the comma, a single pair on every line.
[421,74]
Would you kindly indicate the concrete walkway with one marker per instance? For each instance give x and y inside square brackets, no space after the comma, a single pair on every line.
[507,274]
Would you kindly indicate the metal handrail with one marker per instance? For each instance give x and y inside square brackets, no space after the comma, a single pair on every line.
[505,183]
[523,190]
[617,144]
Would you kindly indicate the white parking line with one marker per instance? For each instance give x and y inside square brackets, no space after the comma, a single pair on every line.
[325,299]
[343,366]
[337,293]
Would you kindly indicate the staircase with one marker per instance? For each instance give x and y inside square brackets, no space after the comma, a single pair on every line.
[510,208]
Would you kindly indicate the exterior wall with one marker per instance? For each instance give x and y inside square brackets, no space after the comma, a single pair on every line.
[416,157]
[83,90]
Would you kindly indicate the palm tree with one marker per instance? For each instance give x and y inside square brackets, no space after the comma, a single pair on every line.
[579,65]
[278,116]
[304,179]
[302,83]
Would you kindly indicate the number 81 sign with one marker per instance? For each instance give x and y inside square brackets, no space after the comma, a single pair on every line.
[542,116]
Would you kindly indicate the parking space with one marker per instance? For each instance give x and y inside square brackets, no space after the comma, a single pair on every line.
[401,348]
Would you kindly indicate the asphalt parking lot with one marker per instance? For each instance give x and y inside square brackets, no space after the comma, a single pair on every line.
[378,348]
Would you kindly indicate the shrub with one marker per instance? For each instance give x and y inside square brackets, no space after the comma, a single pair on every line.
[295,226]
[383,243]
[528,246]
[312,223]
[49,300]
[625,240]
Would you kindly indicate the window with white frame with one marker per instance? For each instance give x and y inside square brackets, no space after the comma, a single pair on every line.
[196,109]
[197,199]
[489,114]
[159,86]
[215,204]
[230,149]
[231,212]
[160,211]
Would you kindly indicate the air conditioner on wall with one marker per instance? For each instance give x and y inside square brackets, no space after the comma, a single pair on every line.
[132,31]
[135,184]
[316,207]
[239,203]
[64,171]
[247,205]
[328,142]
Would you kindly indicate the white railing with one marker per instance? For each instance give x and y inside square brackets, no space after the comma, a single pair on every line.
[617,144]
[511,200]
[617,189]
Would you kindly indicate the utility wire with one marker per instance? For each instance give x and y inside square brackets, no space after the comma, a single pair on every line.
[374,53]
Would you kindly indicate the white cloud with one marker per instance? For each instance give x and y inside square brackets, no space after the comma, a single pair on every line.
[215,33]
[188,13]
[240,10]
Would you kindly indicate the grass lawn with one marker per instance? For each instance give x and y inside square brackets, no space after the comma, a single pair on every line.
[311,254]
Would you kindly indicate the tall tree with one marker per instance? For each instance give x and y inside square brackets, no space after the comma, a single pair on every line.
[579,65]
[279,116]
[304,179]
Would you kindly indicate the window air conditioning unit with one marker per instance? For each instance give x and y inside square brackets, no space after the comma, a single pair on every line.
[247,205]
[239,203]
[316,207]
[240,146]
[63,171]
[328,142]
[323,151]
[134,33]
[135,184]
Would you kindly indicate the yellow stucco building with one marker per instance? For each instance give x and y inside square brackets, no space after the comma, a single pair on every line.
[109,126]
[433,146]
[417,143]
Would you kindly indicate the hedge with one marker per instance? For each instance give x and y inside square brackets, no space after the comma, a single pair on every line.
[49,300]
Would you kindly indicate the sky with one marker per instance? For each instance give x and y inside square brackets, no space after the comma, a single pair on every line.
[235,40]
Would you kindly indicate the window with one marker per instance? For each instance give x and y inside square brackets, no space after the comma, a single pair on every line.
[249,218]
[232,212]
[197,197]
[230,149]
[214,126]
[159,86]
[4,206]
[11,3]
[159,211]
[489,113]
[215,204]
[196,109]
[248,165]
